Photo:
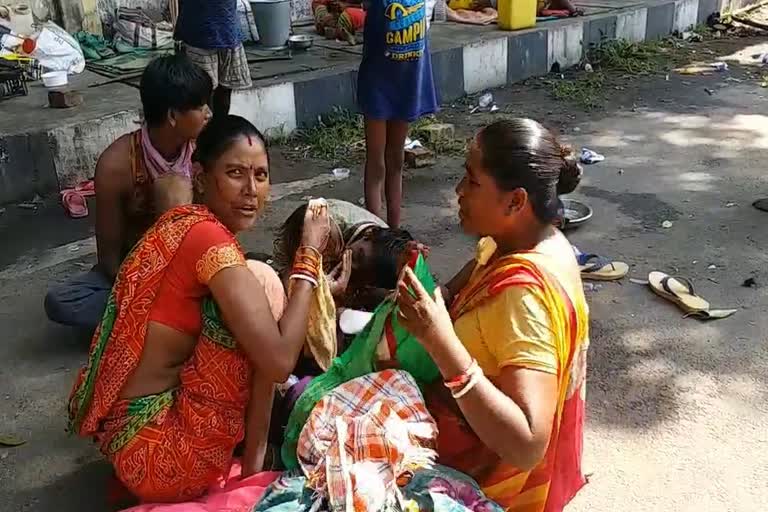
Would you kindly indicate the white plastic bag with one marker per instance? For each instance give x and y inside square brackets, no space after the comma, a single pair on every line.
[56,50]
[248,29]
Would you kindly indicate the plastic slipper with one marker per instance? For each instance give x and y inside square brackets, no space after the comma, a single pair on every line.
[600,268]
[75,204]
[86,188]
[680,291]
[761,204]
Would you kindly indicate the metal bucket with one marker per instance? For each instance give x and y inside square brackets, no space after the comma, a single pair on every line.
[273,20]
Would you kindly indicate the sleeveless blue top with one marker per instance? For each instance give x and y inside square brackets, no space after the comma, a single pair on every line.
[208,24]
[395,77]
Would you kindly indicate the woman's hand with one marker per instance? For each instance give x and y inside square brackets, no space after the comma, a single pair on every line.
[429,321]
[317,225]
[424,317]
[410,248]
[338,279]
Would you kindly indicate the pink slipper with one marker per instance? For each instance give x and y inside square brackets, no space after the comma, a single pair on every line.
[86,188]
[75,204]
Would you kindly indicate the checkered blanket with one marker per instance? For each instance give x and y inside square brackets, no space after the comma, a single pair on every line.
[363,436]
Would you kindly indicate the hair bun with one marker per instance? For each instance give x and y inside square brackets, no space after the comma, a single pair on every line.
[570,174]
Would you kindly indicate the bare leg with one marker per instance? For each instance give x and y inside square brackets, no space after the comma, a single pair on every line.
[222,99]
[394,154]
[375,167]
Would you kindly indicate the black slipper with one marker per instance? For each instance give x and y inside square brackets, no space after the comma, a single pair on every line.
[761,204]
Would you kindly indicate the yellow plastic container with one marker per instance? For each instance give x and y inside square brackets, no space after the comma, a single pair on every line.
[517,14]
[460,4]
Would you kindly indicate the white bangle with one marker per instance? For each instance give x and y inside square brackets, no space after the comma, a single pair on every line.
[474,377]
[308,279]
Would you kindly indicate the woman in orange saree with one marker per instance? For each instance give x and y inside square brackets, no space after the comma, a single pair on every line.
[512,343]
[193,339]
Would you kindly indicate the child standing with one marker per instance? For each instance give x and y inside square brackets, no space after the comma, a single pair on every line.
[394,88]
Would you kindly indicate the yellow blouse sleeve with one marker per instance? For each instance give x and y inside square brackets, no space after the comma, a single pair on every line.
[217,258]
[517,330]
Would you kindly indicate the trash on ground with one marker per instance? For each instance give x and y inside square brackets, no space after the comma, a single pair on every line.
[588,68]
[750,282]
[592,287]
[590,157]
[485,100]
[33,204]
[410,144]
[730,205]
[11,441]
[709,91]
[691,37]
[634,280]
[694,70]
[666,224]
[341,173]
[719,66]
[621,171]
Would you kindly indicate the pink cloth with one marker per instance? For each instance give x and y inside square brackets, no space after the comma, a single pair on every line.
[157,165]
[234,495]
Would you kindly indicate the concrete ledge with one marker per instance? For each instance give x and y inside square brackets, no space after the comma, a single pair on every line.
[44,152]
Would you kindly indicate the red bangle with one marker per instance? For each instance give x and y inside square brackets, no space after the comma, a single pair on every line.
[463,378]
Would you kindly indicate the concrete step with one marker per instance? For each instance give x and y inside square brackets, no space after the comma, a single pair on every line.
[44,150]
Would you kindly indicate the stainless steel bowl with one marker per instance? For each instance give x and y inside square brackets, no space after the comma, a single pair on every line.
[300,42]
[576,213]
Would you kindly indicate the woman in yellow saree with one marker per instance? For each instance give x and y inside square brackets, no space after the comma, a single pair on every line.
[509,333]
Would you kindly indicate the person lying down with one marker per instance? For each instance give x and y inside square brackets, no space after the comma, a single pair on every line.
[360,260]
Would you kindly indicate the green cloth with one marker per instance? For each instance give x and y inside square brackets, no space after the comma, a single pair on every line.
[94,47]
[359,359]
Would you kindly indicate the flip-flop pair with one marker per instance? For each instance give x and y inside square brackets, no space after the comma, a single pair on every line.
[599,268]
[679,290]
[74,199]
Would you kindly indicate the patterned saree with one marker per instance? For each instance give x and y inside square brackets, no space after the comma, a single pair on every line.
[553,483]
[173,445]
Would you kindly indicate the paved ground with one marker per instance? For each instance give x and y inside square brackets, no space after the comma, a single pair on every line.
[677,407]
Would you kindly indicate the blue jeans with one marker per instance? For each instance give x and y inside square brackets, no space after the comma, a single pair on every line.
[79,302]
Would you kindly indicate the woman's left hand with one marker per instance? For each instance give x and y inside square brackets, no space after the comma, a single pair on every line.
[338,279]
[424,317]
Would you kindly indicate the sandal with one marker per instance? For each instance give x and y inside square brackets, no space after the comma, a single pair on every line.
[75,204]
[600,268]
[761,204]
[680,291]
